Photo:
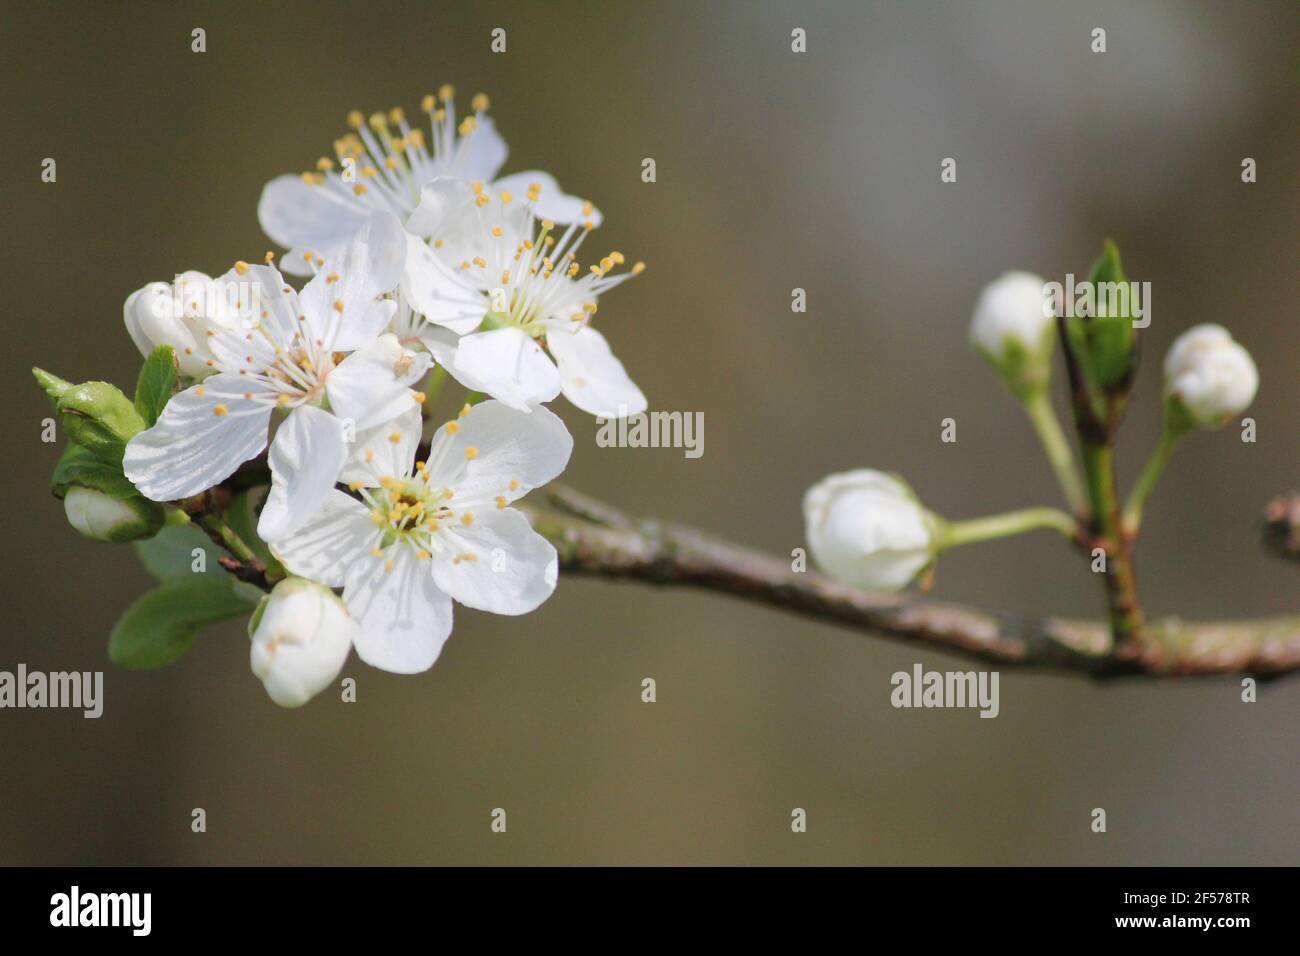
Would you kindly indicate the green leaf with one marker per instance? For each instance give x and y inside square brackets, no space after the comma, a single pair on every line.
[1110,337]
[242,518]
[159,627]
[169,554]
[52,384]
[99,417]
[79,467]
[156,384]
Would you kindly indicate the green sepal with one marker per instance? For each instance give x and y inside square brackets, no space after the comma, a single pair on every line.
[79,467]
[97,416]
[1103,345]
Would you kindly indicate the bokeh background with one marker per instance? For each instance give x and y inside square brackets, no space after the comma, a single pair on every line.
[775,171]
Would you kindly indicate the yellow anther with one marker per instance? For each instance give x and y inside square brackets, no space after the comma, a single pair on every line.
[376,553]
[199,391]
[369,172]
[388,482]
[471,453]
[587,208]
[467,126]
[617,257]
[423,555]
[482,201]
[388,565]
[638,268]
[464,556]
[589,225]
[360,189]
[496,231]
[392,162]
[419,397]
[514,484]
[507,197]
[439,116]
[446,92]
[356,485]
[332,277]
[241,267]
[220,411]
[431,525]
[477,187]
[338,305]
[480,262]
[395,437]
[355,119]
[378,122]
[437,243]
[453,427]
[324,163]
[479,102]
[589,307]
[377,517]
[464,410]
[268,259]
[427,103]
[370,456]
[396,115]
[547,225]
[501,501]
[283,400]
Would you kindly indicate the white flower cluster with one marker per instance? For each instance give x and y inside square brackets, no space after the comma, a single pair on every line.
[419,254]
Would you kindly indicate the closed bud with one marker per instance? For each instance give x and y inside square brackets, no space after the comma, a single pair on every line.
[301,636]
[1014,329]
[100,418]
[1209,378]
[178,314]
[106,517]
[867,528]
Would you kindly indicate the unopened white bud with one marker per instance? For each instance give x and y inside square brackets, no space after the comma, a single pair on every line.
[867,528]
[178,315]
[301,637]
[1014,329]
[105,518]
[1209,375]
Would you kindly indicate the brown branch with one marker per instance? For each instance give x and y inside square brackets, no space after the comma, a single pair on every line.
[595,539]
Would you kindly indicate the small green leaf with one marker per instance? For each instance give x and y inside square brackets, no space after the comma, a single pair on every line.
[156,384]
[159,627]
[169,554]
[1110,337]
[79,467]
[52,384]
[99,417]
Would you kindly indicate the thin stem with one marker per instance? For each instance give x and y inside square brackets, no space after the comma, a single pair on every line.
[1038,405]
[1004,525]
[1126,617]
[232,542]
[1155,465]
[433,385]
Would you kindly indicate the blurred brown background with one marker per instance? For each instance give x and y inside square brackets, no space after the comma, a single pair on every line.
[775,170]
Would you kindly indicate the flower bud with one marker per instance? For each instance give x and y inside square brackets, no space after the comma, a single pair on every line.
[177,314]
[108,518]
[867,528]
[1014,329]
[301,636]
[1208,377]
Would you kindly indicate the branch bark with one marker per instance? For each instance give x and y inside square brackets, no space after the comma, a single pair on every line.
[596,540]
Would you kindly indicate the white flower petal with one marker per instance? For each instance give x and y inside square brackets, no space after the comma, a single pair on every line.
[553,203]
[339,300]
[508,365]
[375,455]
[373,384]
[306,457]
[336,536]
[403,618]
[482,153]
[441,199]
[303,217]
[513,568]
[193,447]
[591,376]
[432,289]
[513,452]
